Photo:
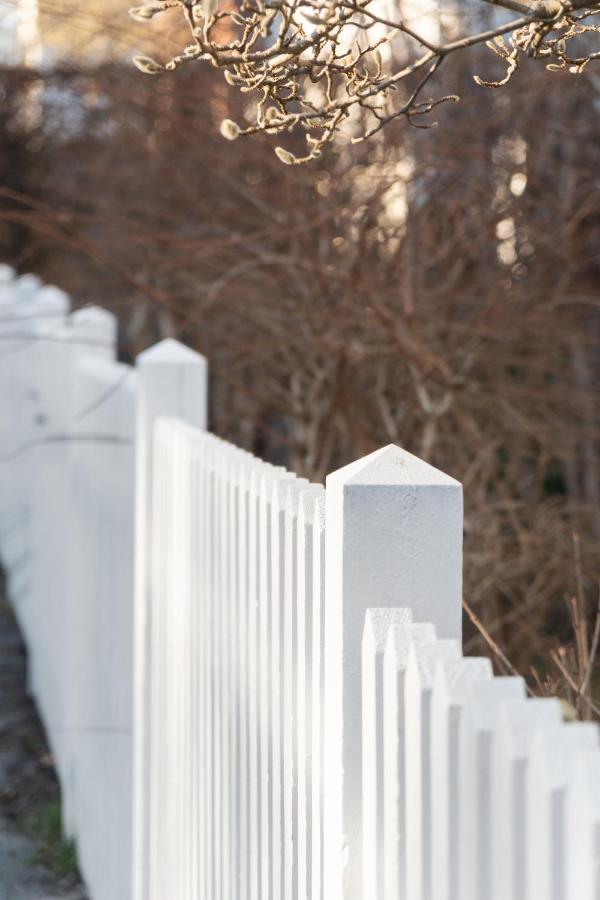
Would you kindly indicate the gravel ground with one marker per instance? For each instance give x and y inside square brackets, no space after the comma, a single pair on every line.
[35,864]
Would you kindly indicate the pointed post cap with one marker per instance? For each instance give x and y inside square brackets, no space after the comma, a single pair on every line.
[453,679]
[28,286]
[7,273]
[52,300]
[169,351]
[391,465]
[378,622]
[94,324]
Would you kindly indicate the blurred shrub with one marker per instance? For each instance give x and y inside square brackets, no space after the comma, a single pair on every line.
[436,289]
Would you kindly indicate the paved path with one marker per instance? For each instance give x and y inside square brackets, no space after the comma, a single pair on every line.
[28,789]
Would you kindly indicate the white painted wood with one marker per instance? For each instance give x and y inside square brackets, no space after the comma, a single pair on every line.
[94,328]
[553,758]
[195,837]
[27,325]
[318,706]
[254,768]
[273,499]
[97,631]
[232,474]
[53,421]
[246,463]
[77,619]
[377,624]
[452,683]
[583,827]
[398,644]
[277,579]
[517,723]
[216,600]
[28,285]
[172,381]
[394,538]
[289,696]
[308,560]
[477,838]
[205,482]
[7,274]
[241,463]
[418,687]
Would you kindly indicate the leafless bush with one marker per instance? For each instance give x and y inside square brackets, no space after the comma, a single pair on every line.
[435,289]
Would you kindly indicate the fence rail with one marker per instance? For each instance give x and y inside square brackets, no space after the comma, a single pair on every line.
[254,686]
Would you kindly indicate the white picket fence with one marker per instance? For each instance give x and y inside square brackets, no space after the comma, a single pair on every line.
[253,687]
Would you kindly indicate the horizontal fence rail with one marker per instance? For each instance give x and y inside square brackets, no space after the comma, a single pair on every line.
[253,686]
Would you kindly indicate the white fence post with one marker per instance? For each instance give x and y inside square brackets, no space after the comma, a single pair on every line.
[29,324]
[394,538]
[172,382]
[98,624]
[53,360]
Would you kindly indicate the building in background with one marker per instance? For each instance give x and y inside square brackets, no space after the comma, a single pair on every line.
[20,38]
[43,32]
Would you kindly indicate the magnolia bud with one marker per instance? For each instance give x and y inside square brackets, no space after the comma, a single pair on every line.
[285,156]
[229,129]
[142,13]
[148,65]
[210,7]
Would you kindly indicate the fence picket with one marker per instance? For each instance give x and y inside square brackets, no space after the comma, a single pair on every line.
[399,641]
[289,696]
[377,625]
[317,701]
[583,827]
[517,724]
[547,793]
[418,688]
[478,737]
[308,559]
[451,684]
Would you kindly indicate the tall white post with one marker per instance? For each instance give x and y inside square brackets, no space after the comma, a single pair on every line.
[172,381]
[394,538]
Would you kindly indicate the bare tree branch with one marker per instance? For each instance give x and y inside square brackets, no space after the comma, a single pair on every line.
[321,67]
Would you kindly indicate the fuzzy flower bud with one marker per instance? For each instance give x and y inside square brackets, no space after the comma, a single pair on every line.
[230,129]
